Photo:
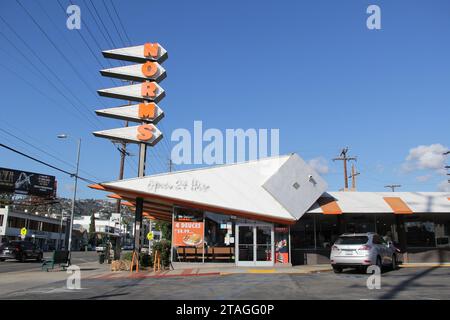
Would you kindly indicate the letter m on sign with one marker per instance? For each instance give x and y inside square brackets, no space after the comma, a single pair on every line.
[147,110]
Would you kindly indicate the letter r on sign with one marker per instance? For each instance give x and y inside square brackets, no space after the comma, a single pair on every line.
[148,89]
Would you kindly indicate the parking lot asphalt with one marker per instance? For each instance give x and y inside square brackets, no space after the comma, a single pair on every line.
[405,283]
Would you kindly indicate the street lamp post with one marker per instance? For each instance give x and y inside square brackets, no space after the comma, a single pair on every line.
[72,213]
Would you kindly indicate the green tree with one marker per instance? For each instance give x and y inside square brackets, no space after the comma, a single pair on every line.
[92,230]
[165,228]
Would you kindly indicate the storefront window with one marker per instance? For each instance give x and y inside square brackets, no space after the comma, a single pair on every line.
[420,231]
[326,230]
[302,233]
[359,223]
[219,238]
[442,230]
[386,227]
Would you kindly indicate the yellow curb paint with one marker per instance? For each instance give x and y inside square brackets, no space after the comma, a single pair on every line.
[425,265]
[261,271]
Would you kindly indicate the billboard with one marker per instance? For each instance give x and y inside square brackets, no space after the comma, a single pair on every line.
[28,183]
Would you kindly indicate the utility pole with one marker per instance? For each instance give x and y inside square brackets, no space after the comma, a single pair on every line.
[393,186]
[353,177]
[123,154]
[344,158]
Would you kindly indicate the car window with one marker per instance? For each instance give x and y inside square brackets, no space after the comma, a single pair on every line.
[377,239]
[352,240]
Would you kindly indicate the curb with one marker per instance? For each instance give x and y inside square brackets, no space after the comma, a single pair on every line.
[424,265]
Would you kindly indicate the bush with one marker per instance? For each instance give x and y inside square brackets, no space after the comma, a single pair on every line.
[164,247]
[146,260]
[127,256]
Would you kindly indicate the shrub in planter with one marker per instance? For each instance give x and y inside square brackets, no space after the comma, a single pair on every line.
[164,247]
[146,260]
[127,256]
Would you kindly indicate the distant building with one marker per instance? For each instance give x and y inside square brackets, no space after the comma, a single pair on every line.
[45,231]
[112,225]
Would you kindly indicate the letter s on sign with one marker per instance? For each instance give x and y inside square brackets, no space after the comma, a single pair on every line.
[145,132]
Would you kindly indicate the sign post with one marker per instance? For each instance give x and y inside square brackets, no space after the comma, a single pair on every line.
[23,233]
[147,93]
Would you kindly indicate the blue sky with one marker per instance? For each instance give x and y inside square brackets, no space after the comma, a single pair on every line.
[310,68]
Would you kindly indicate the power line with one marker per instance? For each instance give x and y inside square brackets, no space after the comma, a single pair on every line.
[45,163]
[115,27]
[101,21]
[120,21]
[47,67]
[69,63]
[45,152]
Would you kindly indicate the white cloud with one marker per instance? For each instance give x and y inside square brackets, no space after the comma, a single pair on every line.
[444,186]
[424,178]
[426,157]
[320,164]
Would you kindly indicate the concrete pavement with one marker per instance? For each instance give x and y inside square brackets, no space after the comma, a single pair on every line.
[405,283]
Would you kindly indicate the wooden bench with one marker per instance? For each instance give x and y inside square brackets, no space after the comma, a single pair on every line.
[60,258]
[222,253]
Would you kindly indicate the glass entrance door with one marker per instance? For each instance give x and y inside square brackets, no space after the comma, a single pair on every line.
[254,246]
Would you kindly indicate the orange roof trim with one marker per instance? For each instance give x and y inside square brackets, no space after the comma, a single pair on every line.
[96,186]
[329,206]
[398,205]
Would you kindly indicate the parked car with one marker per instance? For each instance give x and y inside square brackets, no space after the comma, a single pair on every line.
[360,250]
[20,250]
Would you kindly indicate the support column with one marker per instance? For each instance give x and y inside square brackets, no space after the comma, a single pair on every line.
[138,224]
[401,232]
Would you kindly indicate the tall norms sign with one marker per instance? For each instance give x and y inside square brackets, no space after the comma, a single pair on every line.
[147,93]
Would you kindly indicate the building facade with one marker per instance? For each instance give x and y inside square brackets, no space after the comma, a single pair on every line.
[46,232]
[277,211]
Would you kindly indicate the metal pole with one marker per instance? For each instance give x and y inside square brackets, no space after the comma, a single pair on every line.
[72,214]
[60,231]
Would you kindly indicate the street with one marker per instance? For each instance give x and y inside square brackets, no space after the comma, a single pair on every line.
[32,265]
[405,283]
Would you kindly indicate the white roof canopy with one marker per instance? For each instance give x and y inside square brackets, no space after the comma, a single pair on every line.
[273,189]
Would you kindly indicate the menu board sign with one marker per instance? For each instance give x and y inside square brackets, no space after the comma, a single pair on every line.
[188,234]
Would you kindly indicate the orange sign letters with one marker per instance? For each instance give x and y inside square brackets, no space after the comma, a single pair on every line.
[151,50]
[145,132]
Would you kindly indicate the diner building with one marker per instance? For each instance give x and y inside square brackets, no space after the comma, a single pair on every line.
[277,211]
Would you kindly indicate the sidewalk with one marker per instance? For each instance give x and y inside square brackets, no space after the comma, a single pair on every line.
[211,271]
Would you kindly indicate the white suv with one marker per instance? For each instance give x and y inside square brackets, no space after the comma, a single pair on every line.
[360,250]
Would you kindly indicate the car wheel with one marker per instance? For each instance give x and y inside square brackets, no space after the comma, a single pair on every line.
[363,269]
[394,262]
[2,259]
[39,258]
[23,257]
[337,269]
